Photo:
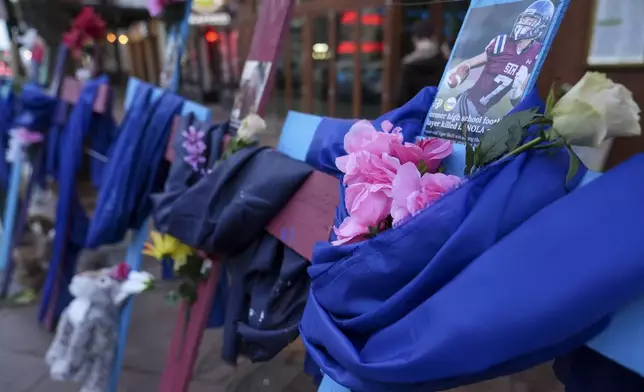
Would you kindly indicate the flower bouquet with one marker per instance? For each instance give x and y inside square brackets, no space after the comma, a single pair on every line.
[433,281]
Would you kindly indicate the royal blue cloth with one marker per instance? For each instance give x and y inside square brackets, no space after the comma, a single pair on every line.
[72,222]
[7,111]
[36,109]
[36,112]
[134,170]
[505,272]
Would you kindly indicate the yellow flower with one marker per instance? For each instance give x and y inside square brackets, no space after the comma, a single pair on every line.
[164,246]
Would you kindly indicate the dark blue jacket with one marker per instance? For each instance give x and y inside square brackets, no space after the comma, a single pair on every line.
[226,213]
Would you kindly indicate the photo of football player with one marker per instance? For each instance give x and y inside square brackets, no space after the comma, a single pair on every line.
[251,89]
[507,62]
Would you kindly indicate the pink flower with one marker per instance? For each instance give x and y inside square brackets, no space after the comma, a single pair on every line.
[431,151]
[364,137]
[28,137]
[155,7]
[363,166]
[368,205]
[349,230]
[411,192]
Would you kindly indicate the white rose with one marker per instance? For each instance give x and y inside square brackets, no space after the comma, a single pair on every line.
[596,109]
[252,126]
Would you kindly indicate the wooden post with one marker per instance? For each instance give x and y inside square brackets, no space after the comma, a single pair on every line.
[288,72]
[393,21]
[357,67]
[307,64]
[436,15]
[333,48]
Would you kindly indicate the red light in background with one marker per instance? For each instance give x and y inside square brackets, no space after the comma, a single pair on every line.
[348,47]
[211,36]
[371,47]
[371,19]
[350,17]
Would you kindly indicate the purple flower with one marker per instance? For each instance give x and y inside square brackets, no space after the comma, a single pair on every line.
[194,161]
[195,147]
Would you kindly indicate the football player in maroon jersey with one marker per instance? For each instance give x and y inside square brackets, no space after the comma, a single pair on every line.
[507,62]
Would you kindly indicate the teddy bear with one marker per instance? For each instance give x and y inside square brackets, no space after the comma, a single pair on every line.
[83,347]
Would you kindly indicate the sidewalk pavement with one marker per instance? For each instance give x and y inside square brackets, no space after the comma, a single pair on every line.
[23,344]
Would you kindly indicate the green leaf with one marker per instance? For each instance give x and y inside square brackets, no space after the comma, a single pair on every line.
[422,167]
[469,151]
[515,135]
[550,101]
[573,165]
[503,137]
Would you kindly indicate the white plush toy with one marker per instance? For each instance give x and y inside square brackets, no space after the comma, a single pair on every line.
[83,348]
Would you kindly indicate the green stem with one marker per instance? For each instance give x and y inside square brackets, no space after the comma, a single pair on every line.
[525,147]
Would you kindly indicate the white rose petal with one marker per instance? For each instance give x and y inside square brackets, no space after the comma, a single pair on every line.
[252,126]
[579,123]
[596,109]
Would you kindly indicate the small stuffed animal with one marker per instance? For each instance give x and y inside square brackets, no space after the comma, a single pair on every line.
[83,348]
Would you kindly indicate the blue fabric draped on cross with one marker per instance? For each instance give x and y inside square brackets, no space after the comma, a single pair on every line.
[71,217]
[36,112]
[36,109]
[126,183]
[7,106]
[132,172]
[505,272]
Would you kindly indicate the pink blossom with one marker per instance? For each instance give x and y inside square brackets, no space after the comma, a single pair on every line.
[431,151]
[368,205]
[349,230]
[155,7]
[27,137]
[363,136]
[363,166]
[412,192]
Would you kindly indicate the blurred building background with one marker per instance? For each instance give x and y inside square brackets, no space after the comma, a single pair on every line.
[341,58]
[329,42]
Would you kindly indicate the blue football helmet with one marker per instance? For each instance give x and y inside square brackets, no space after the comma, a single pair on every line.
[534,21]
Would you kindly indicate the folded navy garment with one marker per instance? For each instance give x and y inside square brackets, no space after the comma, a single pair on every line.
[225,214]
[228,209]
[182,175]
[267,295]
